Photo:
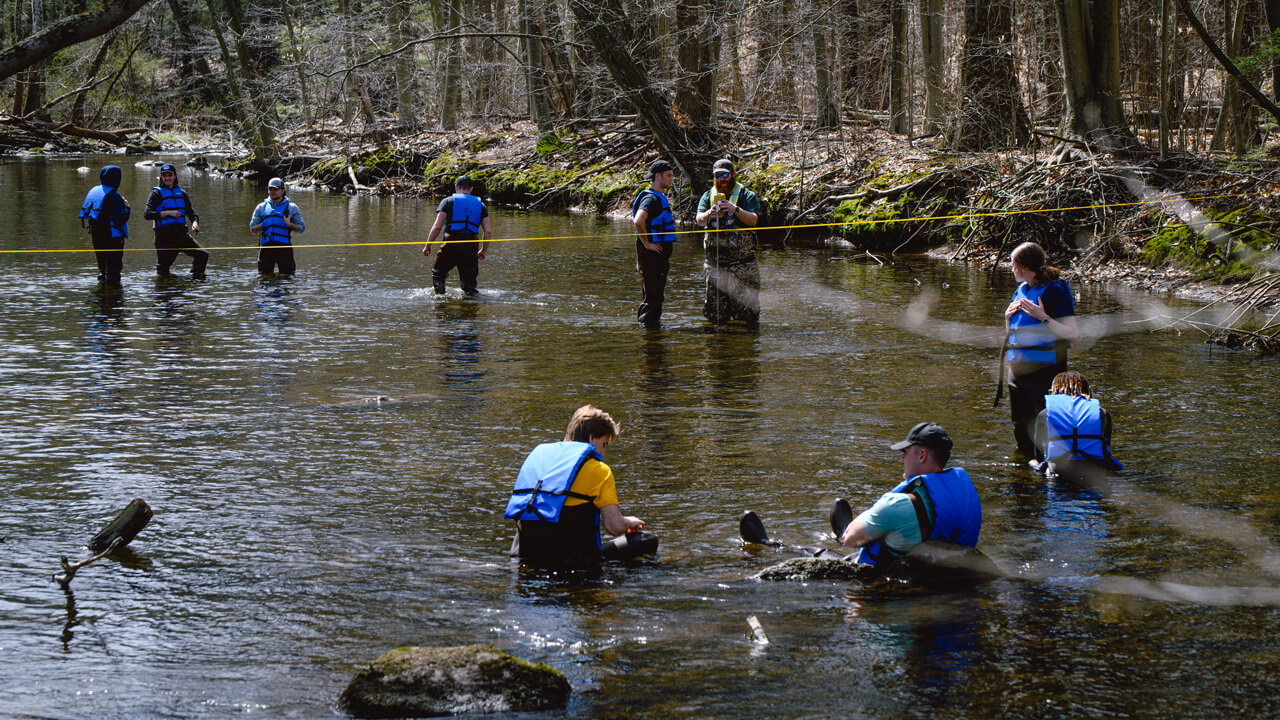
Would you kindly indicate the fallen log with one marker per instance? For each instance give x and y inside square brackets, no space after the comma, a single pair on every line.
[126,526]
[116,534]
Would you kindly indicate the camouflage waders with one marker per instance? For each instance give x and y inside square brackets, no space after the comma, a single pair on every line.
[733,277]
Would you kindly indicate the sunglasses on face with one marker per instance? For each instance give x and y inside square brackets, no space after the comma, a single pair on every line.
[720,175]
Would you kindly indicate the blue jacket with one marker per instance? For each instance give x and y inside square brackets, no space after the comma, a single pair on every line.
[466,216]
[103,204]
[957,511]
[661,226]
[1074,426]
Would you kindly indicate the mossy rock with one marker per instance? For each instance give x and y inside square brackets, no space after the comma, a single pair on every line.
[804,569]
[428,682]
[1219,259]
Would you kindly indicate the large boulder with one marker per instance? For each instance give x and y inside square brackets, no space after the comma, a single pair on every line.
[424,681]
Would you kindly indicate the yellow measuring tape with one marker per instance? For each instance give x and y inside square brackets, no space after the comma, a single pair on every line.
[886,221]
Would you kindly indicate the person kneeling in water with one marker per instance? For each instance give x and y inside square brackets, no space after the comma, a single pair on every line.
[931,503]
[563,493]
[1073,433]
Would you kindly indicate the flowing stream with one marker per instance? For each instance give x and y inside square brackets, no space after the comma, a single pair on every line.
[302,527]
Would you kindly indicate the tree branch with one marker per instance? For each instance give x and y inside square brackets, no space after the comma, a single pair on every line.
[1225,61]
[65,33]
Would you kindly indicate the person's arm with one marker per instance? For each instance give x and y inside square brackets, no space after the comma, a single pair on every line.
[748,214]
[153,200]
[191,213]
[435,232]
[488,233]
[255,224]
[641,222]
[856,535]
[616,523]
[294,220]
[705,212]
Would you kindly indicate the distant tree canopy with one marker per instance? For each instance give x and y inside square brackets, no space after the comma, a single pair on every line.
[1107,75]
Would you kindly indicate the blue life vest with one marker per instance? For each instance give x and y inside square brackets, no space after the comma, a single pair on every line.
[274,229]
[662,227]
[174,199]
[1074,426]
[92,210]
[544,481]
[1030,341]
[957,512]
[466,214]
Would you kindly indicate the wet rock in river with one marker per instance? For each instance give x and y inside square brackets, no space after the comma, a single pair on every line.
[804,569]
[425,681]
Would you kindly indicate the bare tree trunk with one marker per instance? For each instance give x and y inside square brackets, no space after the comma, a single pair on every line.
[991,113]
[611,41]
[899,124]
[697,50]
[535,72]
[296,51]
[1089,32]
[260,108]
[1166,52]
[487,91]
[828,111]
[1272,8]
[931,51]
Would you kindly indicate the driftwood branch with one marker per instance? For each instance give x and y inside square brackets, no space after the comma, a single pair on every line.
[69,568]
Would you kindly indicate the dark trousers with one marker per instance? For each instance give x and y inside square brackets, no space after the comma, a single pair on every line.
[270,256]
[461,255]
[1027,388]
[110,254]
[654,268]
[174,239]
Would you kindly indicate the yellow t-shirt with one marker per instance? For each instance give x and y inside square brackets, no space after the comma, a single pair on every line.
[594,479]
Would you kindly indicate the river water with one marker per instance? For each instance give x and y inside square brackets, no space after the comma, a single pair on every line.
[299,531]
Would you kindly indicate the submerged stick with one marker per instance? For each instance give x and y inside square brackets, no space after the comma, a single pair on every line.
[69,569]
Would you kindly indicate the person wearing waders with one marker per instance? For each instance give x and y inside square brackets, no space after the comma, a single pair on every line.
[729,265]
[933,502]
[655,240]
[564,492]
[106,215]
[1041,325]
[277,218]
[168,209]
[1073,434]
[461,217]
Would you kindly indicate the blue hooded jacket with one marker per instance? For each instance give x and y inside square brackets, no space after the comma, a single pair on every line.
[104,203]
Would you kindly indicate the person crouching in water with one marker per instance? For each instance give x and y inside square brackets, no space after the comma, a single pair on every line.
[564,492]
[1073,433]
[168,208]
[931,503]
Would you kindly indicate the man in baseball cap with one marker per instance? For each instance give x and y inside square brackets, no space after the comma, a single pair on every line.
[655,239]
[933,502]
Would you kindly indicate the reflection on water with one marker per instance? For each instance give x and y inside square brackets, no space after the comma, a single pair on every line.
[328,456]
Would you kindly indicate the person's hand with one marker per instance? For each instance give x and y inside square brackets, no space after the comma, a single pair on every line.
[426,250]
[653,246]
[1034,309]
[724,206]
[633,523]
[170,213]
[195,226]
[480,255]
[1013,309]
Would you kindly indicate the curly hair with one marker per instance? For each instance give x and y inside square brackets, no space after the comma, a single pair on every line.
[1070,383]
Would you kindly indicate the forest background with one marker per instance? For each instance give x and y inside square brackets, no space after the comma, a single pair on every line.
[1130,137]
